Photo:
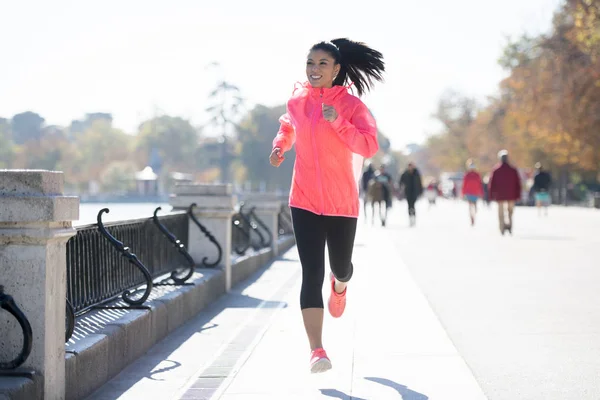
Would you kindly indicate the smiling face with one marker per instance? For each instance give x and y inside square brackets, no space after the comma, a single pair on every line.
[321,69]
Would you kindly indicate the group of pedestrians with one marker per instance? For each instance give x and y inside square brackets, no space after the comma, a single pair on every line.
[409,183]
[504,187]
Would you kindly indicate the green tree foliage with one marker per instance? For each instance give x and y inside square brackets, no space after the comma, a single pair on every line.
[7,146]
[118,177]
[27,126]
[95,149]
[546,109]
[255,134]
[80,126]
[175,140]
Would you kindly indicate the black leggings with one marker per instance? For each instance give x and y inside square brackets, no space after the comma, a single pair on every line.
[312,232]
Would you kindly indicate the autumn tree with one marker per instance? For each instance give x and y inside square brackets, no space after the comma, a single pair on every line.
[546,109]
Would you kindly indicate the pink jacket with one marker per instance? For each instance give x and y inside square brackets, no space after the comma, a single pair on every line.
[323,180]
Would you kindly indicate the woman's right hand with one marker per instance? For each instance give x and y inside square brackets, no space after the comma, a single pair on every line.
[276,157]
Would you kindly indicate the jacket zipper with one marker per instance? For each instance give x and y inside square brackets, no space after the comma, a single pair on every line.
[316,155]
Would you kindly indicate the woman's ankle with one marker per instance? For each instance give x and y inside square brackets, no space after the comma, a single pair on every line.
[316,346]
[340,287]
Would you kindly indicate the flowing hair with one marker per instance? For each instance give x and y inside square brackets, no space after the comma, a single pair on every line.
[359,64]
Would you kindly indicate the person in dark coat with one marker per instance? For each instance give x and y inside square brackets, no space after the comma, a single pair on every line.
[505,189]
[541,188]
[366,177]
[410,182]
[388,185]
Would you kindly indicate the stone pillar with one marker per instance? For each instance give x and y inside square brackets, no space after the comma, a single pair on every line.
[284,198]
[35,224]
[267,209]
[215,205]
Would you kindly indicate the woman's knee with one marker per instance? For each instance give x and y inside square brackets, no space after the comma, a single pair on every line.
[342,271]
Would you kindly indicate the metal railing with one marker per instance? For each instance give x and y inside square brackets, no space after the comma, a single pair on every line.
[102,265]
[284,221]
[249,231]
[209,236]
[122,259]
[8,303]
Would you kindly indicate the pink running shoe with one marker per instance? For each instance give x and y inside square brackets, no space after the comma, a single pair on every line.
[319,362]
[337,301]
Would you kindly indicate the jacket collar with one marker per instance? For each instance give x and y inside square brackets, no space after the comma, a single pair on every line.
[326,93]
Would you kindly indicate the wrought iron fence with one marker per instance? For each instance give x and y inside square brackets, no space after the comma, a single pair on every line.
[105,261]
[249,231]
[284,221]
[7,303]
[209,236]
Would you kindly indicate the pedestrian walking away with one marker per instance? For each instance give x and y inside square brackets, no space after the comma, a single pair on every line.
[329,127]
[472,189]
[505,189]
[366,177]
[388,185]
[541,188]
[411,182]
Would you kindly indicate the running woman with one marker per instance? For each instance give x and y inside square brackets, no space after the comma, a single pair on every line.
[331,128]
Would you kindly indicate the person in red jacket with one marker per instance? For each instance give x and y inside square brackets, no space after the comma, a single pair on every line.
[331,129]
[505,189]
[472,189]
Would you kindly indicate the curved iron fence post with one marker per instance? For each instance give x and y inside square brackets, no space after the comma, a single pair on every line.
[8,303]
[245,221]
[262,225]
[70,321]
[285,224]
[209,236]
[132,258]
[180,248]
[253,227]
[237,223]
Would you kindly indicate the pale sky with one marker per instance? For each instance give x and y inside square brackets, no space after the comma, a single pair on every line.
[64,58]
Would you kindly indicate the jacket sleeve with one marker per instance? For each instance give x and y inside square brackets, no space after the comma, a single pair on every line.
[286,136]
[359,133]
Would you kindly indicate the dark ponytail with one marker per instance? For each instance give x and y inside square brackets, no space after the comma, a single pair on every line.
[359,63]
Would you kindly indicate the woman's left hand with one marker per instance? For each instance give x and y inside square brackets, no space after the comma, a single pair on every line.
[329,113]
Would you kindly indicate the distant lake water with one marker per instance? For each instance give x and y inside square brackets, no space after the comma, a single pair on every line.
[88,212]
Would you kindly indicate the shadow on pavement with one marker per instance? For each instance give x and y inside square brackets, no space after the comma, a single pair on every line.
[404,391]
[336,394]
[145,366]
[174,365]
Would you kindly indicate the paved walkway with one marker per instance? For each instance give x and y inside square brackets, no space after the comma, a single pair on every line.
[439,311]
[522,310]
[251,343]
